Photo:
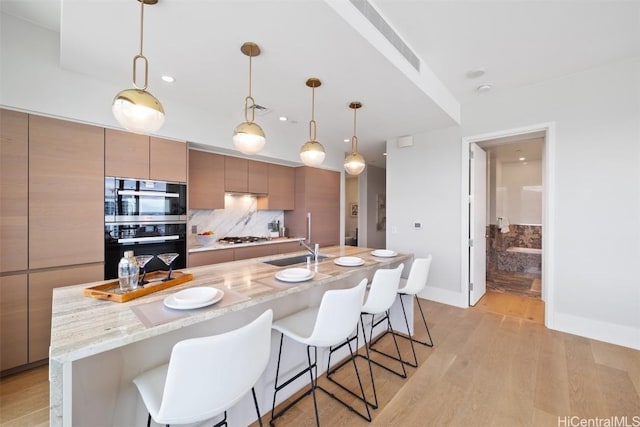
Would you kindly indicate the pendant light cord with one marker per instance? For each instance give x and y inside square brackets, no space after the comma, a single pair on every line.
[250,98]
[312,123]
[140,55]
[354,138]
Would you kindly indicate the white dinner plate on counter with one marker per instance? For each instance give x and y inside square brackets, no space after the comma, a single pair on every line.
[349,261]
[294,275]
[196,297]
[384,253]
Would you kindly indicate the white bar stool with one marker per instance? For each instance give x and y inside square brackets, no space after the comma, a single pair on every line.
[412,286]
[208,375]
[382,294]
[329,324]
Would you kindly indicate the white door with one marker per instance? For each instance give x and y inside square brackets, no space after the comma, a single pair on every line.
[477,223]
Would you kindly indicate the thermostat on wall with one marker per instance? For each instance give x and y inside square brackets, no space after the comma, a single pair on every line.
[417,225]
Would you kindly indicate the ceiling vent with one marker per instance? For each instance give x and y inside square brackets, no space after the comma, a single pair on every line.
[259,109]
[385,29]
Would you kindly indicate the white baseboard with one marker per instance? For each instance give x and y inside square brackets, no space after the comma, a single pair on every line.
[444,296]
[602,331]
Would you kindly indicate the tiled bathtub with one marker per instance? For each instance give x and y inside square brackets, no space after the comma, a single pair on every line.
[525,260]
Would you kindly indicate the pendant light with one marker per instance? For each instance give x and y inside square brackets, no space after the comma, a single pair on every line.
[136,109]
[312,152]
[354,163]
[248,137]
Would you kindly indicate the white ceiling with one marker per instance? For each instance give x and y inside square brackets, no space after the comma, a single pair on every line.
[516,42]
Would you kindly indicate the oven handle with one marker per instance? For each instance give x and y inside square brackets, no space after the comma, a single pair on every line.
[148,239]
[147,193]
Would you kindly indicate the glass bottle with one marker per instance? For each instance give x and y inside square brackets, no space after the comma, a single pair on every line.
[128,272]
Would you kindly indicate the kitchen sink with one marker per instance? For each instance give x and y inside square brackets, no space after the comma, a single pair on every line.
[293,260]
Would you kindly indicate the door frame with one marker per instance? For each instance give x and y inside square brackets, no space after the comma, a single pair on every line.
[548,180]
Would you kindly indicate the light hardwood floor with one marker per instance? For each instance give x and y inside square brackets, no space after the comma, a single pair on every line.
[492,365]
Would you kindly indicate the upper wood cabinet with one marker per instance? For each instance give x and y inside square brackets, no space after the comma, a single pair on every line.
[318,194]
[66,193]
[167,160]
[206,180]
[245,176]
[14,178]
[130,155]
[281,191]
[257,177]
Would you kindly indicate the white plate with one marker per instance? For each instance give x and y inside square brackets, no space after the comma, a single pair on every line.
[384,253]
[181,304]
[195,295]
[349,261]
[294,275]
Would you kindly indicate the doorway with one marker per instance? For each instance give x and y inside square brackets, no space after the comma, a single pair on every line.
[509,226]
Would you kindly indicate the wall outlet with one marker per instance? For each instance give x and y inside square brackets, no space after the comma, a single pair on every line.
[394,229]
[194,229]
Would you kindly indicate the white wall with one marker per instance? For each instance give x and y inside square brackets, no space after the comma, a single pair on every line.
[596,195]
[519,192]
[423,185]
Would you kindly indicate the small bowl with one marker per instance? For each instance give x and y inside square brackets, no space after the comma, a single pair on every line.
[205,239]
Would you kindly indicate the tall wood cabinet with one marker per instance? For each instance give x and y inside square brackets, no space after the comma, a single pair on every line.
[14,210]
[13,321]
[66,193]
[130,155]
[317,192]
[206,180]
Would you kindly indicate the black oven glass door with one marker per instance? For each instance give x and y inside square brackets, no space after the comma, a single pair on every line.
[144,239]
[134,200]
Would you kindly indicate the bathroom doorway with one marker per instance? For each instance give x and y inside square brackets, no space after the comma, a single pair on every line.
[474,255]
[514,199]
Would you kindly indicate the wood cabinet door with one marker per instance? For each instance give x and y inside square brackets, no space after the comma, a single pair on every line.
[254,251]
[41,285]
[126,154]
[318,193]
[167,160]
[257,177]
[236,174]
[13,321]
[323,201]
[197,259]
[285,248]
[66,193]
[282,185]
[14,190]
[206,180]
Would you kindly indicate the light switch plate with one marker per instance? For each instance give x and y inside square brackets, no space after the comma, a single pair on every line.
[417,225]
[194,229]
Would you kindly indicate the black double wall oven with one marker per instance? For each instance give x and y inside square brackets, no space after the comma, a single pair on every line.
[147,217]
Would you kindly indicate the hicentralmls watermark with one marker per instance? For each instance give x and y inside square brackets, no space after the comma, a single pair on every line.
[614,421]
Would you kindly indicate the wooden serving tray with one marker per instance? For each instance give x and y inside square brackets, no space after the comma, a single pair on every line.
[111,291]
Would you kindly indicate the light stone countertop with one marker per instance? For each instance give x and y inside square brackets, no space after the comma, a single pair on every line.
[84,326]
[218,246]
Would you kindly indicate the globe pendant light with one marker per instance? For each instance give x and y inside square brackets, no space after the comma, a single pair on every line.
[248,137]
[136,109]
[354,163]
[312,152]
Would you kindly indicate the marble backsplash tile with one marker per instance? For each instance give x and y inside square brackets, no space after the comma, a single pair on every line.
[240,217]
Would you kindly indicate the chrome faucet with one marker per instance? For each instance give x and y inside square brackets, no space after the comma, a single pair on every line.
[314,251]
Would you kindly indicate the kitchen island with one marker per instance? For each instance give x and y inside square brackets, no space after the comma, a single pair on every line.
[98,347]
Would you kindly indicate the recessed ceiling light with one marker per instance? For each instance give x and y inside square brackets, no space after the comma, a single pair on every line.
[384,154]
[522,159]
[484,88]
[168,79]
[347,140]
[474,74]
[282,118]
